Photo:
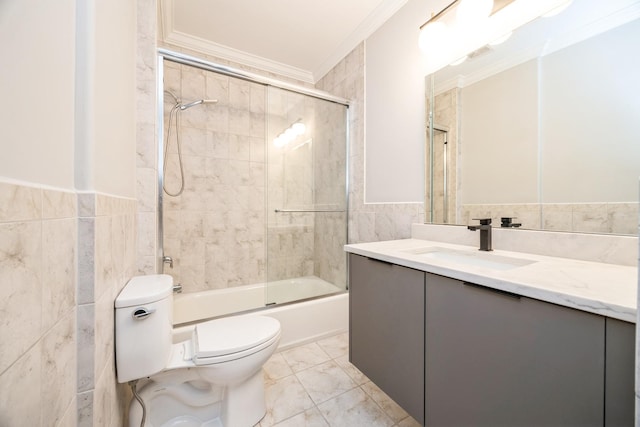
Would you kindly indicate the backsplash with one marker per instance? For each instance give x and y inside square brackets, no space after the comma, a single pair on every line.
[606,248]
[615,218]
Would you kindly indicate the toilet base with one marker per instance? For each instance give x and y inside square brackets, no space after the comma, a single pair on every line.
[241,405]
[244,404]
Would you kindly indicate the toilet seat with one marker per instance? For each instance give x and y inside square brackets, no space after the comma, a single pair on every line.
[231,338]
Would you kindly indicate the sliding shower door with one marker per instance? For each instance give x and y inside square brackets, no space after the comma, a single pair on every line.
[306,196]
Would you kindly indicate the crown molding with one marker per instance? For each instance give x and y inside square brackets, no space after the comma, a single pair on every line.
[180,39]
[380,14]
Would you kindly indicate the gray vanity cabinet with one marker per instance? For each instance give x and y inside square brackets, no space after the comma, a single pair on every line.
[497,359]
[386,339]
[619,378]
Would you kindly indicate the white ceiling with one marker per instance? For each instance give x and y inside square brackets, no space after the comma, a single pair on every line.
[302,39]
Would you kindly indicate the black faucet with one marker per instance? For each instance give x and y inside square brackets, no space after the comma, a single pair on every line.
[507,222]
[485,232]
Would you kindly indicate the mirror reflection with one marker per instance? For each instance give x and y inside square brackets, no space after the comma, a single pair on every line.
[543,128]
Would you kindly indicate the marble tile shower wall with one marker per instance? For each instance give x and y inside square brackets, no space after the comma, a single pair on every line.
[38,248]
[291,185]
[214,230]
[367,222]
[146,136]
[329,193]
[106,261]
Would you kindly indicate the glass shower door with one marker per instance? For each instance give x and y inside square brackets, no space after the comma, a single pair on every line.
[306,197]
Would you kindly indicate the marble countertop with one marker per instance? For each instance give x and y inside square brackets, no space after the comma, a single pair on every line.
[604,289]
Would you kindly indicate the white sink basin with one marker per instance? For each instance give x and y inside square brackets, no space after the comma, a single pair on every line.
[477,259]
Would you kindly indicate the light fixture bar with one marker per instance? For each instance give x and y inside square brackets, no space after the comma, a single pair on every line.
[497,5]
[439,14]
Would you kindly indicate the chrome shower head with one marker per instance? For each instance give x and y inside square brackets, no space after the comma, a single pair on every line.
[198,102]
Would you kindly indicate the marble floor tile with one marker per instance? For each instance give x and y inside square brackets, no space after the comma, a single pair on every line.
[391,408]
[354,408]
[315,385]
[309,418]
[325,381]
[285,398]
[355,374]
[305,356]
[336,346]
[276,368]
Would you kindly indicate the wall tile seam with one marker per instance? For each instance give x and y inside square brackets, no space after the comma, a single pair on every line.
[37,342]
[71,409]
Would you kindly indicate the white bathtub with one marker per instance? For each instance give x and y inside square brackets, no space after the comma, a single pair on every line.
[301,322]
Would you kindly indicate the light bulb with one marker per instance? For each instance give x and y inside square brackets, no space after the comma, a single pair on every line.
[299,128]
[290,134]
[279,141]
[556,10]
[470,12]
[432,37]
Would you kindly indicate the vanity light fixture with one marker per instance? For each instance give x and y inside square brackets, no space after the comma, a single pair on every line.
[446,37]
[290,134]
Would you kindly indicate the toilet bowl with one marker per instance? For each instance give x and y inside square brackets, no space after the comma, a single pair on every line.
[212,379]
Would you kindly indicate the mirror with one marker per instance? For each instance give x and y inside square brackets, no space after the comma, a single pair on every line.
[544,127]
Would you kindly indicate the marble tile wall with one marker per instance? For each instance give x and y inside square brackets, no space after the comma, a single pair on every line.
[107,259]
[146,136]
[367,221]
[38,247]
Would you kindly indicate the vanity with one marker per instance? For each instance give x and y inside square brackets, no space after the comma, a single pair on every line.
[459,337]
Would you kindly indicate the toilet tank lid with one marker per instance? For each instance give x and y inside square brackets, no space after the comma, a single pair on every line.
[145,290]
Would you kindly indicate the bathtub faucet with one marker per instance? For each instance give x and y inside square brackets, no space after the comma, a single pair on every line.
[167,260]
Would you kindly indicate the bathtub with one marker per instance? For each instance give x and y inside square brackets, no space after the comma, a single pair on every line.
[301,322]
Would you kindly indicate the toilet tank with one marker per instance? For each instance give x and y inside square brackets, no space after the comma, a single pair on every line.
[143,326]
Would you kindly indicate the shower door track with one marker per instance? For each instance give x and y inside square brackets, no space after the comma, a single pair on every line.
[244,75]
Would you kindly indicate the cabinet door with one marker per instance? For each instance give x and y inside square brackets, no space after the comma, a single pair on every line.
[386,330]
[495,359]
[620,372]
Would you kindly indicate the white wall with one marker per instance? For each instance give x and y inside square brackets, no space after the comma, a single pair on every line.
[115,99]
[500,126]
[395,107]
[587,158]
[37,59]
[41,88]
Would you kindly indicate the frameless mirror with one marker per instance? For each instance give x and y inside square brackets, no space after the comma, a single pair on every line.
[543,127]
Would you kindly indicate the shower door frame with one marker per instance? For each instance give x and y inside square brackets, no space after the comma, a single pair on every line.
[180,58]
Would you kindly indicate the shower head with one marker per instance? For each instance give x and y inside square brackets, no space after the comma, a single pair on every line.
[198,102]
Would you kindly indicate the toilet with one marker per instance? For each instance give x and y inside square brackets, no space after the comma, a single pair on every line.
[212,379]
